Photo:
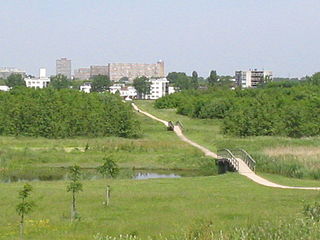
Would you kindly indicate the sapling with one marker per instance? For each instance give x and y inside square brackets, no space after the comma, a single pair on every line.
[74,187]
[24,207]
[108,169]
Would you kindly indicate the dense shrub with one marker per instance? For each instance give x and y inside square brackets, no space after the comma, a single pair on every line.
[64,113]
[285,109]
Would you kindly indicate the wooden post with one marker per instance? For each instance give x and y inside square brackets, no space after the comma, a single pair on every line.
[22,227]
[108,195]
[73,208]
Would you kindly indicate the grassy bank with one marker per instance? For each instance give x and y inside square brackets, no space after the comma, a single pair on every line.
[292,157]
[149,207]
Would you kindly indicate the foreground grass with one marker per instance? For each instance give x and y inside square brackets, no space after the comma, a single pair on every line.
[265,149]
[149,207]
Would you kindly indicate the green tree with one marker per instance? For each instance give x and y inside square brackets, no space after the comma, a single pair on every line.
[124,79]
[142,86]
[213,78]
[59,82]
[15,80]
[195,80]
[180,80]
[74,187]
[108,169]
[100,83]
[315,79]
[24,207]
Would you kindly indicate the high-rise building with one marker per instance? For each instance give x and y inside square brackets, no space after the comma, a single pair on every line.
[133,70]
[98,70]
[82,73]
[63,66]
[252,78]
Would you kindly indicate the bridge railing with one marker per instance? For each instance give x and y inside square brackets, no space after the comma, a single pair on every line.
[179,123]
[227,154]
[170,126]
[246,157]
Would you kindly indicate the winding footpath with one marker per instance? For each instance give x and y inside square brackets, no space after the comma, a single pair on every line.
[243,168]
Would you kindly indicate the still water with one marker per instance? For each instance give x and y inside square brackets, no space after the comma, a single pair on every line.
[54,174]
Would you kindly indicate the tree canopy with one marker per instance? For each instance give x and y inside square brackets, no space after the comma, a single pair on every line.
[142,86]
[65,113]
[213,78]
[59,82]
[195,80]
[15,80]
[100,83]
[180,80]
[281,109]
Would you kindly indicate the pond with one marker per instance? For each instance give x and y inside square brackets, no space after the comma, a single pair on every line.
[54,174]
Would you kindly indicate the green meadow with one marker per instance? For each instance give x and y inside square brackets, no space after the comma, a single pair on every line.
[150,207]
[153,208]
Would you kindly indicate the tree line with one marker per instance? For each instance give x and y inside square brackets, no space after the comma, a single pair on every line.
[65,113]
[99,83]
[279,108]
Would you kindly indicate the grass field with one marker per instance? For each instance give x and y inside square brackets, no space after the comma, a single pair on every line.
[287,156]
[142,207]
[149,207]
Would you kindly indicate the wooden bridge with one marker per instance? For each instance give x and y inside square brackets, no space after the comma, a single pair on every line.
[228,159]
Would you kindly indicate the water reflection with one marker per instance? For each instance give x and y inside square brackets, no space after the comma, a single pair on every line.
[150,175]
[54,174]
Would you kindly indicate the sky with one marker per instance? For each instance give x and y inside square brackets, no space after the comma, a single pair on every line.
[201,35]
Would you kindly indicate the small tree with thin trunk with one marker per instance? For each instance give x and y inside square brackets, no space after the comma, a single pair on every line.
[74,187]
[24,207]
[108,169]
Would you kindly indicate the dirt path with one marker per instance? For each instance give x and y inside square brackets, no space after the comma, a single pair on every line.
[243,168]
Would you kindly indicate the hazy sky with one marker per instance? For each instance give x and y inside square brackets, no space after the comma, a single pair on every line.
[225,35]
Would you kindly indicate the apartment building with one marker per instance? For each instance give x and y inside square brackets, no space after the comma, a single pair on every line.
[252,78]
[133,70]
[159,88]
[82,73]
[63,66]
[99,70]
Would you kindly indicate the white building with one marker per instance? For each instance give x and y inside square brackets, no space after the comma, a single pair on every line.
[252,78]
[4,88]
[171,90]
[126,92]
[41,82]
[86,87]
[159,88]
[116,87]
